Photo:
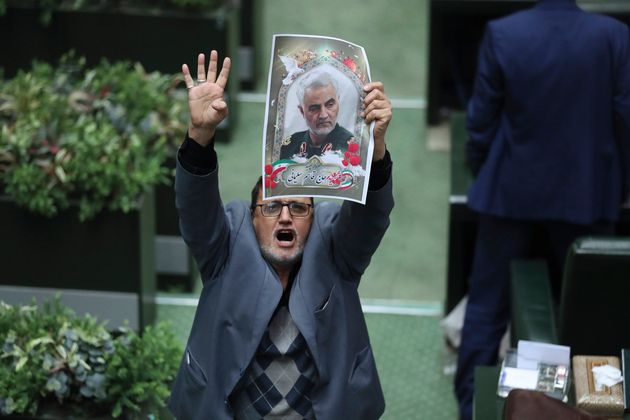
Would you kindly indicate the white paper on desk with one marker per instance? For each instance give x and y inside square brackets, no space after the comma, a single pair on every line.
[519,378]
[606,375]
[531,353]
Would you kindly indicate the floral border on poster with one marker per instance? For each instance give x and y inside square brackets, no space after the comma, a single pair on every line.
[336,170]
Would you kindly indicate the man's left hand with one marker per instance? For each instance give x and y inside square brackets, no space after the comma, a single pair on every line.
[377,108]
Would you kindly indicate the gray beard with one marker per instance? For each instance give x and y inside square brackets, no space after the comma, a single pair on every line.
[275,260]
[323,131]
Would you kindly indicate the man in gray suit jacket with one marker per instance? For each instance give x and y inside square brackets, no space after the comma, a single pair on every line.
[279,331]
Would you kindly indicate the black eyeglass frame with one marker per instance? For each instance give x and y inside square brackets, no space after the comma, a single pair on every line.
[282,205]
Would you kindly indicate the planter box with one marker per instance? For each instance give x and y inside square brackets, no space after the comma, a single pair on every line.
[104,266]
[175,267]
[160,40]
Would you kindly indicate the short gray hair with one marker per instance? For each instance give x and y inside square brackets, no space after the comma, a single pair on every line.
[315,80]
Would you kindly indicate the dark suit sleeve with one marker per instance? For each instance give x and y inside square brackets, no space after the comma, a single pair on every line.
[380,172]
[358,230]
[484,108]
[195,158]
[621,105]
[203,222]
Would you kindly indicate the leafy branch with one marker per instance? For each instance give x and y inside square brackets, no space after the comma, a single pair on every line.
[51,354]
[96,137]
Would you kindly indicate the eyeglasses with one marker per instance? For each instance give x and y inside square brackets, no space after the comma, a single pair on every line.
[274,208]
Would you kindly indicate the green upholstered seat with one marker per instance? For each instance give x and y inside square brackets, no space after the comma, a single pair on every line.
[593,314]
[533,315]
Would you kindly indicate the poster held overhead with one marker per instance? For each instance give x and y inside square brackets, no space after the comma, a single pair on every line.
[315,142]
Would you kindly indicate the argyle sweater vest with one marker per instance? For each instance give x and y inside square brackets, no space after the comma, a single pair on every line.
[278,382]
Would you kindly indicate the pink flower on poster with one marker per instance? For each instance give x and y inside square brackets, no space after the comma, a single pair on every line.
[350,63]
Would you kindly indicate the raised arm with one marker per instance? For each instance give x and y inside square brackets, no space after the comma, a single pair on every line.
[377,109]
[203,222]
[359,229]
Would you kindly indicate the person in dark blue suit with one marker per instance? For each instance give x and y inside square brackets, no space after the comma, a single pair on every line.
[548,125]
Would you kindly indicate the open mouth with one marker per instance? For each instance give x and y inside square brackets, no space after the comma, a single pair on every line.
[285,237]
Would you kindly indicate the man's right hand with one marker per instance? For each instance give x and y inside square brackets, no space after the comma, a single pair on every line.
[206,102]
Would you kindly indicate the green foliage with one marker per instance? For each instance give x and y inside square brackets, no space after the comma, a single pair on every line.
[96,137]
[50,354]
[136,373]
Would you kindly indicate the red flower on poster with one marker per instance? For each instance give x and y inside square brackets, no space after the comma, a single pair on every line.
[352,155]
[350,63]
[270,183]
[355,160]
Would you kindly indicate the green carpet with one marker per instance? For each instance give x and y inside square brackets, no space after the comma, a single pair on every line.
[408,356]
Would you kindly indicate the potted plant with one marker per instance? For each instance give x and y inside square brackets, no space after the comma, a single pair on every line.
[54,364]
[94,135]
[87,146]
[160,34]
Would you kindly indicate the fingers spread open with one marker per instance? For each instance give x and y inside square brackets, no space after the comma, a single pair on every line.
[225,72]
[201,67]
[187,77]
[212,66]
[212,71]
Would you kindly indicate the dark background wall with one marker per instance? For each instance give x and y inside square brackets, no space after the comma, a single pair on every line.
[457,27]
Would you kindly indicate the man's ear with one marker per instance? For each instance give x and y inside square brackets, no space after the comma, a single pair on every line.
[301,109]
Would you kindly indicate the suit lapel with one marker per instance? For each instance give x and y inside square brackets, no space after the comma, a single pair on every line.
[309,292]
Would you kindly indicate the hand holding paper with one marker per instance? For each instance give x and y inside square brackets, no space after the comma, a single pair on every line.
[378,109]
[325,121]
